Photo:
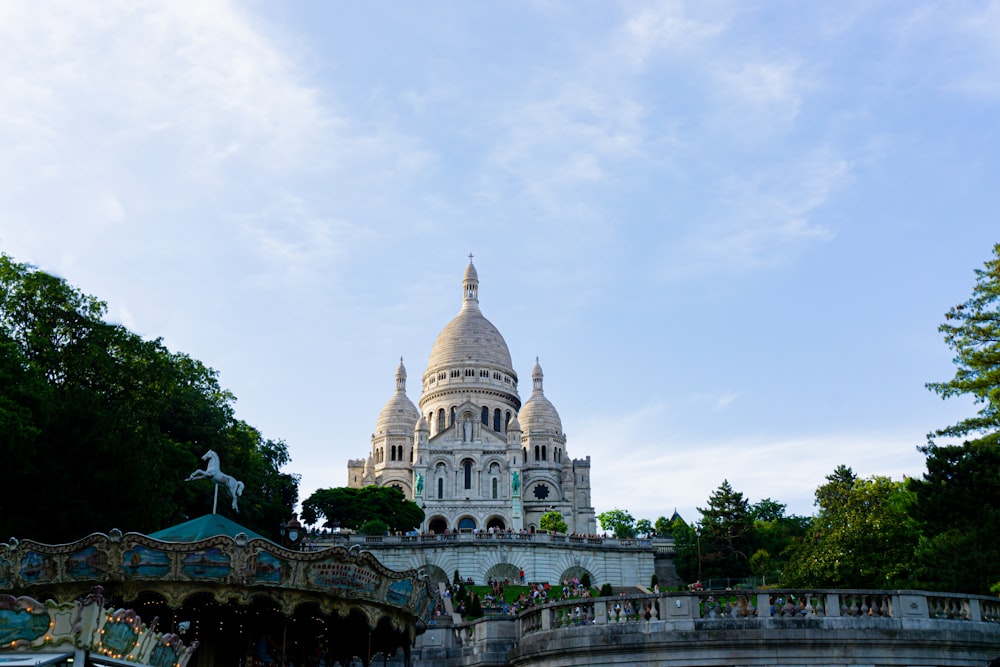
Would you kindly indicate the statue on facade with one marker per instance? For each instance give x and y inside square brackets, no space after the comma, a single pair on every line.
[214,473]
[419,485]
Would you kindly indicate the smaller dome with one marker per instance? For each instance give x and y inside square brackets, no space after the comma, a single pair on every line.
[399,415]
[538,415]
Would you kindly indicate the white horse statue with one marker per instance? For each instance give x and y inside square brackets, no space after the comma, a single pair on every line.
[214,473]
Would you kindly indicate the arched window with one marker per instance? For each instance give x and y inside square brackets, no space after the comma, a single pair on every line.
[392,453]
[485,417]
[496,488]
[440,488]
[525,450]
[506,422]
[536,452]
[468,473]
[452,419]
[441,424]
[544,458]
[496,420]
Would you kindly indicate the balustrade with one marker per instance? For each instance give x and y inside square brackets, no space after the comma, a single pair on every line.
[753,604]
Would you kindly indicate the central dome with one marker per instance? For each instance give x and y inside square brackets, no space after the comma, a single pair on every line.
[470,338]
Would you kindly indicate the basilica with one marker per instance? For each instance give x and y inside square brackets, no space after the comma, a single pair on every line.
[472,456]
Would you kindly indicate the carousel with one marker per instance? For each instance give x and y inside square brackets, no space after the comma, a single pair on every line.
[204,593]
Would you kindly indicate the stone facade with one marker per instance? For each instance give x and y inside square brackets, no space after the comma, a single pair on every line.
[472,456]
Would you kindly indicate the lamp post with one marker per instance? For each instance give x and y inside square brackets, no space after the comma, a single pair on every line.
[697,532]
[291,531]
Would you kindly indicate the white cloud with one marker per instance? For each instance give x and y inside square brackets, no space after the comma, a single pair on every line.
[666,27]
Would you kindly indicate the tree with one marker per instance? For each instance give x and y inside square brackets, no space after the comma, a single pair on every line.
[860,538]
[957,503]
[552,522]
[972,330]
[350,508]
[767,510]
[644,527]
[110,424]
[727,528]
[619,522]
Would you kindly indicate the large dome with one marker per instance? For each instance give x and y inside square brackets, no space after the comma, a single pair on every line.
[399,415]
[470,337]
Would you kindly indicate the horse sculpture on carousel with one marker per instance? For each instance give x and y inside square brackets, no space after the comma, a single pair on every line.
[214,473]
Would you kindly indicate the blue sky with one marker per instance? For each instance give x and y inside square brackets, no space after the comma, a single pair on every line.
[729,230]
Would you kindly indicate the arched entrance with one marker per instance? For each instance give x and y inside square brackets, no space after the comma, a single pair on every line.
[496,523]
[467,523]
[437,525]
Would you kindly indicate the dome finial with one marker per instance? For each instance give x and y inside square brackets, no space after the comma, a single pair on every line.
[536,376]
[401,376]
[470,286]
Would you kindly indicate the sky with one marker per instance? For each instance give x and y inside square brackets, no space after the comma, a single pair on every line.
[728,230]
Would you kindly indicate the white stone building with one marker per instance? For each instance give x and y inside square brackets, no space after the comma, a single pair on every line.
[472,456]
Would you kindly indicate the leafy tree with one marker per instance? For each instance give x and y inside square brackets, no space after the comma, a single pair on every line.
[553,522]
[619,522]
[350,508]
[644,527]
[110,424]
[685,549]
[726,538]
[861,536]
[957,503]
[374,527]
[663,525]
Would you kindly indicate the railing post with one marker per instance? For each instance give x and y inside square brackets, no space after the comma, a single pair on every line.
[763,605]
[832,604]
[600,613]
[975,611]
[546,618]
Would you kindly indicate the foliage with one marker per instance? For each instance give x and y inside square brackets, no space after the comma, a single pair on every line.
[685,550]
[644,527]
[762,564]
[374,527]
[619,522]
[957,509]
[350,508]
[767,510]
[553,522]
[973,332]
[726,534]
[664,526]
[861,536]
[606,590]
[653,581]
[475,607]
[108,425]
[585,580]
[957,503]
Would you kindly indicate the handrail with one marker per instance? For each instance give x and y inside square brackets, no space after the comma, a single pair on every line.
[757,605]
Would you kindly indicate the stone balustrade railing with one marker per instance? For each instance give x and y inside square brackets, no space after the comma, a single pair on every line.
[759,605]
[344,539]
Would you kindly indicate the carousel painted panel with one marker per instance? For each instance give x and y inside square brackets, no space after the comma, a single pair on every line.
[146,563]
[269,569]
[210,563]
[22,620]
[37,567]
[6,572]
[343,577]
[400,592]
[87,564]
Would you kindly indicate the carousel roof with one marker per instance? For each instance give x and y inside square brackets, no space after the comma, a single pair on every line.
[202,528]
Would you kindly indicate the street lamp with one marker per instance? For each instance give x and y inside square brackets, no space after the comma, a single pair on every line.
[291,531]
[697,532]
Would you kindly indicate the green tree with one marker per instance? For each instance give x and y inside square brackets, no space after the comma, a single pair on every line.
[957,503]
[644,527]
[972,331]
[552,522]
[860,538]
[350,508]
[110,424]
[619,522]
[726,534]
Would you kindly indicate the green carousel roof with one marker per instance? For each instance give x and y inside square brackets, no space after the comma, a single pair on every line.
[204,527]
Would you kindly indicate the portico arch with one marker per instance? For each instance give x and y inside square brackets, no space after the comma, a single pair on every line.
[437,524]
